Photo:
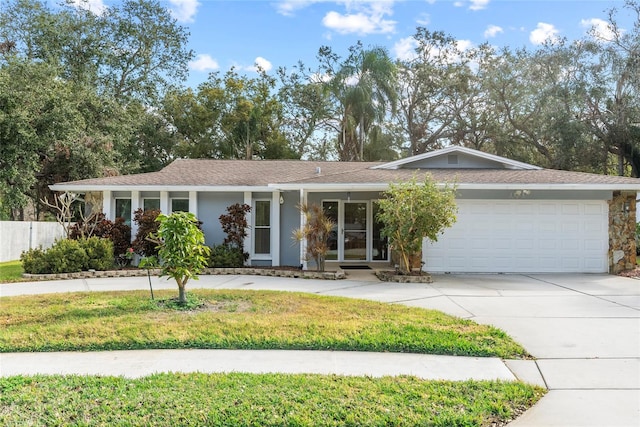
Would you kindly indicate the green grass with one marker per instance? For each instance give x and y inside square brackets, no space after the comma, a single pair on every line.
[239,319]
[259,400]
[10,271]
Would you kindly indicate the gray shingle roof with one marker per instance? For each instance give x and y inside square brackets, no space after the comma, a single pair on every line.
[206,172]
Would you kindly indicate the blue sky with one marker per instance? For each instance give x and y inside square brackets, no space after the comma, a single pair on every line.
[273,33]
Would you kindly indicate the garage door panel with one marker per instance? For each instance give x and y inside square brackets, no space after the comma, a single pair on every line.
[523,236]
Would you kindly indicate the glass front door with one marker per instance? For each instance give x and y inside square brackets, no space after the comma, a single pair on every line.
[355,236]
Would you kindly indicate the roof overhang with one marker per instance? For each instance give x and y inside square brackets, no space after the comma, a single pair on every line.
[328,187]
[171,188]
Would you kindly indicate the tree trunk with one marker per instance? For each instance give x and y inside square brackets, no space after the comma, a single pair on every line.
[182,294]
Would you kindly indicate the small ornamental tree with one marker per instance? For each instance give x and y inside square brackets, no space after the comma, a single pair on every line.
[182,251]
[411,211]
[316,231]
[234,224]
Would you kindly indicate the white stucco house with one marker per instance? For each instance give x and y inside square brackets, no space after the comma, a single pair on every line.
[513,216]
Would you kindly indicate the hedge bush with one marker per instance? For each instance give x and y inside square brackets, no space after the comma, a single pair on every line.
[100,253]
[69,256]
[224,256]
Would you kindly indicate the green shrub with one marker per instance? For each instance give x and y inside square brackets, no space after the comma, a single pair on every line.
[34,261]
[66,256]
[147,226]
[99,252]
[224,256]
[96,225]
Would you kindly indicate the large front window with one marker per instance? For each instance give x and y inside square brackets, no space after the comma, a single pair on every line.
[179,205]
[123,210]
[262,227]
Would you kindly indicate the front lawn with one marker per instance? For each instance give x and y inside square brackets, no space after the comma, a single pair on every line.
[237,319]
[10,271]
[259,400]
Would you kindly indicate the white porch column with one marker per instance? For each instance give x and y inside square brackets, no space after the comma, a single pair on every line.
[303,222]
[107,204]
[248,241]
[275,228]
[164,202]
[135,205]
[193,202]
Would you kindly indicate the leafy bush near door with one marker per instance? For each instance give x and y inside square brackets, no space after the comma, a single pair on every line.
[231,254]
[69,256]
[223,256]
[147,226]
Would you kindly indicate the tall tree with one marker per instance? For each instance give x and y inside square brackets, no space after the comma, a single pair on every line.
[364,93]
[434,87]
[610,65]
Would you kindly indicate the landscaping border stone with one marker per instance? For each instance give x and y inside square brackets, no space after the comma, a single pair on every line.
[392,276]
[249,271]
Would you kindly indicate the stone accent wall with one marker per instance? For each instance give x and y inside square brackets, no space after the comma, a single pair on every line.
[93,202]
[622,232]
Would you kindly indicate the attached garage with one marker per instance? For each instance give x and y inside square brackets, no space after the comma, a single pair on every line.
[521,236]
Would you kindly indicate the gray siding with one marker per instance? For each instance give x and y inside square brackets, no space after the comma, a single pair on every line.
[464,161]
[210,207]
[289,221]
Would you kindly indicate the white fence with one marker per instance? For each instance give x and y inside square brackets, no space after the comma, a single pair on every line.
[19,236]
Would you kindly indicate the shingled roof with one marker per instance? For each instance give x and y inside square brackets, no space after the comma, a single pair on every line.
[290,174]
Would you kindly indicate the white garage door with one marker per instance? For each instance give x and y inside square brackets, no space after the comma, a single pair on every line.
[520,236]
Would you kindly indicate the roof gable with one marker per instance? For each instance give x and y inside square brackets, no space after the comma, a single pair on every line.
[456,157]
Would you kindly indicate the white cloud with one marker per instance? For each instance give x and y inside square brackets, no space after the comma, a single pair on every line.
[362,18]
[423,19]
[474,4]
[203,62]
[404,49]
[544,32]
[184,10]
[599,28]
[464,45]
[289,7]
[260,63]
[95,6]
[478,4]
[492,31]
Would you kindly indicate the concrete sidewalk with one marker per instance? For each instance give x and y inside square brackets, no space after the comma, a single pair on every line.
[140,363]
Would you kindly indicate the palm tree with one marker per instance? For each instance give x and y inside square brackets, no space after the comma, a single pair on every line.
[365,87]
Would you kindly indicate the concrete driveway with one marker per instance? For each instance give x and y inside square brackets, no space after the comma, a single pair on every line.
[584,330]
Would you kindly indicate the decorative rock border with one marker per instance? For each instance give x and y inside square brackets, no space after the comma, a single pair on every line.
[391,276]
[303,274]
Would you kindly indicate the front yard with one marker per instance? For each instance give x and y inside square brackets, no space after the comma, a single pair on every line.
[249,320]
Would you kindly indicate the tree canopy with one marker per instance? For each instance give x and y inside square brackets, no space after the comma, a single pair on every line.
[85,95]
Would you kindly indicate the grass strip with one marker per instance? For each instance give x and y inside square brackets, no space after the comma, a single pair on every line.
[259,400]
[11,271]
[239,319]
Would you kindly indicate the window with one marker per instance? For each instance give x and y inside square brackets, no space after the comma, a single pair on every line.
[150,204]
[123,210]
[262,227]
[179,205]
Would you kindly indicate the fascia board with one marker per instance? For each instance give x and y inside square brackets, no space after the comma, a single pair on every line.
[175,188]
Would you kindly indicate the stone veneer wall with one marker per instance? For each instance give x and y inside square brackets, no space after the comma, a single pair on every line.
[93,202]
[622,232]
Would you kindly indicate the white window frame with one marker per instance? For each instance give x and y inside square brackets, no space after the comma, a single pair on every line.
[129,220]
[179,198]
[261,256]
[150,198]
